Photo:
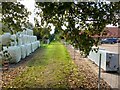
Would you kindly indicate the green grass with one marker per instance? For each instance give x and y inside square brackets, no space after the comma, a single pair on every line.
[51,67]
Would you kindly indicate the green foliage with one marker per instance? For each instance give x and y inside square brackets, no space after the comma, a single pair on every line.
[41,32]
[14,16]
[0,8]
[29,25]
[0,28]
[52,37]
[91,17]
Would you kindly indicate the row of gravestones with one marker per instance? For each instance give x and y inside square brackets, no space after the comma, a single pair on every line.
[19,45]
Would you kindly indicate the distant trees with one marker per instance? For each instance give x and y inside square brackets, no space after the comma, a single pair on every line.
[29,25]
[42,32]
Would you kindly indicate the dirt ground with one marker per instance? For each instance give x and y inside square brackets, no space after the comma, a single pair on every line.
[15,69]
[89,69]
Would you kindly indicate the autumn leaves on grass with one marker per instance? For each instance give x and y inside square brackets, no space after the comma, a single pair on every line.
[51,67]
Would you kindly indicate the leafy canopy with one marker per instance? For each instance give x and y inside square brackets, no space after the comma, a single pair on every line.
[14,15]
[82,20]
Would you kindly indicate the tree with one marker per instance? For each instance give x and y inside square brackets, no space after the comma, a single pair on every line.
[14,16]
[29,25]
[0,19]
[42,32]
[0,8]
[91,18]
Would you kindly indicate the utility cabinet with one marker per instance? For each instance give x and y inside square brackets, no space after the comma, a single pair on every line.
[112,61]
[109,60]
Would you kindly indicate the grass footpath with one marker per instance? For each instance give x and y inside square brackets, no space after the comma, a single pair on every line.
[52,67]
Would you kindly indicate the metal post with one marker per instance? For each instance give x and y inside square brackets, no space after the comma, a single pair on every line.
[74,53]
[99,74]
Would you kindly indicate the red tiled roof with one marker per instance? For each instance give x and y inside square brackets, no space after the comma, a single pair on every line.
[110,32]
